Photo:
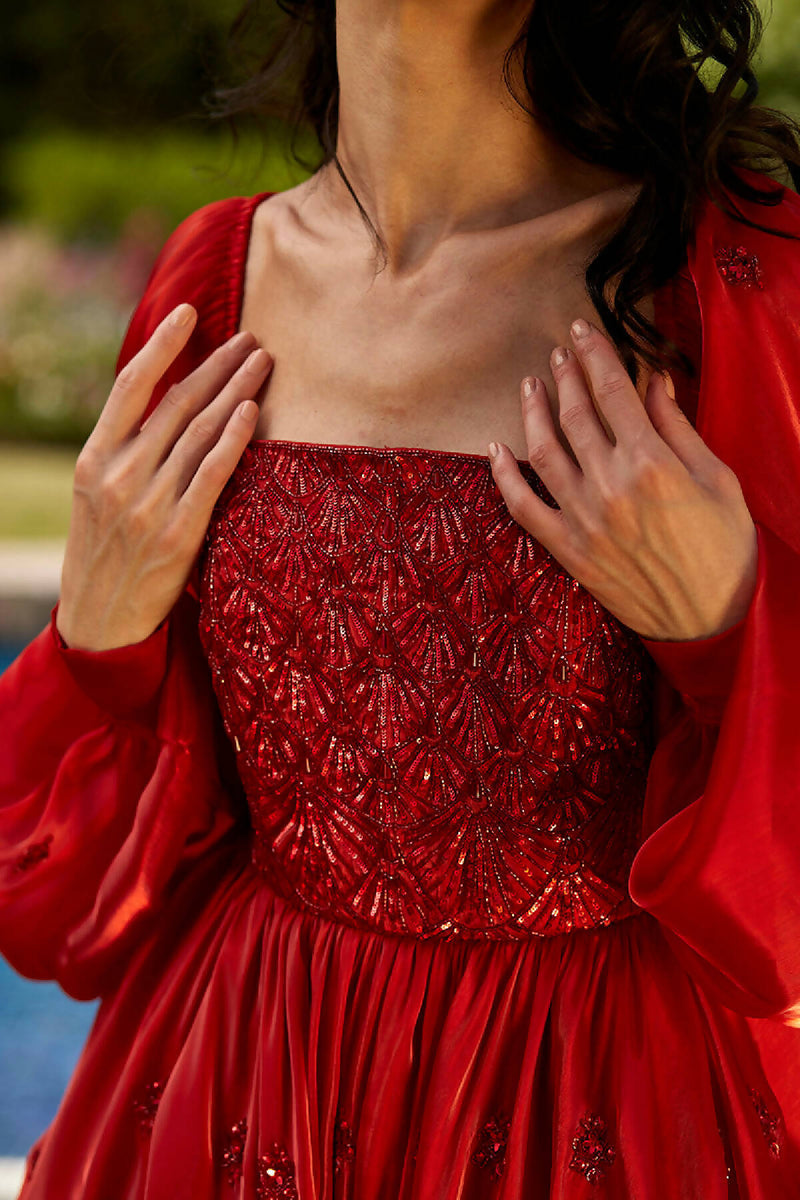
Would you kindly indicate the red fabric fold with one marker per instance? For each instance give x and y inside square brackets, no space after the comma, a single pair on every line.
[121,680]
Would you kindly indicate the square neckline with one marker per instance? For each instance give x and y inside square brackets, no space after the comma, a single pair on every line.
[256,445]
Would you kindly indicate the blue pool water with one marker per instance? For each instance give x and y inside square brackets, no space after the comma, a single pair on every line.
[42,1032]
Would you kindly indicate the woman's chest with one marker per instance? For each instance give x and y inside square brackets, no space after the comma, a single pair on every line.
[438,363]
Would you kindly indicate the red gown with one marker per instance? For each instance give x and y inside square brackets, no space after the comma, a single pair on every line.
[402,869]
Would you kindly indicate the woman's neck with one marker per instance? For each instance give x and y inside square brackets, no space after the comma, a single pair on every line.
[429,137]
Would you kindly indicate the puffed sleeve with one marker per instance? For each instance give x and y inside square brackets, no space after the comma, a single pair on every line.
[116,777]
[719,863]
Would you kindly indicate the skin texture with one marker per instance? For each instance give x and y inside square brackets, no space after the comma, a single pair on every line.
[487,225]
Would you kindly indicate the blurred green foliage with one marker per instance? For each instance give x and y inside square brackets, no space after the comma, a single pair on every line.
[106,145]
[82,185]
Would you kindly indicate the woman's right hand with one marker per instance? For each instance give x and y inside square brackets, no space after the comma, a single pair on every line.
[143,494]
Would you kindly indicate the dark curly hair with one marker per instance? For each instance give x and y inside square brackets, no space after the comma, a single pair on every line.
[617,84]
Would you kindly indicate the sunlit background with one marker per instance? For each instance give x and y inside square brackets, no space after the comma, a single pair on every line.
[105,145]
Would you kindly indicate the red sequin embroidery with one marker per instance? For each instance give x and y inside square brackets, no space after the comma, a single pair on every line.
[276,1175]
[736,266]
[233,1153]
[33,854]
[490,1153]
[440,733]
[145,1105]
[770,1123]
[592,1153]
[343,1144]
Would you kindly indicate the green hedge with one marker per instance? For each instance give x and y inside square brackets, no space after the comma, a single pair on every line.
[85,186]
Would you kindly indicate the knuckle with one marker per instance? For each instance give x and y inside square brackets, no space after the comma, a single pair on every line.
[720,476]
[539,455]
[178,395]
[652,473]
[128,377]
[86,468]
[203,429]
[573,419]
[140,519]
[612,384]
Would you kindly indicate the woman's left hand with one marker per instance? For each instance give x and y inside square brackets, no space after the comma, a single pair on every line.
[655,526]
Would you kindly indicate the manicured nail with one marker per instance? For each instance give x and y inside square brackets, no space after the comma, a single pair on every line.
[494,450]
[257,361]
[668,384]
[529,387]
[580,328]
[560,356]
[182,315]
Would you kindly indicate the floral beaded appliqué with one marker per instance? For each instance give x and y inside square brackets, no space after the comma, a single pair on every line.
[592,1153]
[35,853]
[233,1152]
[276,1175]
[145,1105]
[343,1144]
[738,267]
[490,1153]
[770,1123]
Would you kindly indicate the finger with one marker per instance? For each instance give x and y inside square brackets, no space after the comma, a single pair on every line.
[195,506]
[546,455]
[577,415]
[122,413]
[614,393]
[211,424]
[674,427]
[182,402]
[544,523]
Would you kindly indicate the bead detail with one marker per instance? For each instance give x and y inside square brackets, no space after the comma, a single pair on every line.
[592,1153]
[233,1153]
[276,1179]
[440,736]
[770,1123]
[35,853]
[145,1105]
[738,267]
[343,1145]
[490,1153]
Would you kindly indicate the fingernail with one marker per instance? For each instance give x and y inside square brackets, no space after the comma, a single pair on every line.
[580,328]
[181,316]
[529,387]
[669,385]
[240,339]
[560,356]
[257,361]
[494,450]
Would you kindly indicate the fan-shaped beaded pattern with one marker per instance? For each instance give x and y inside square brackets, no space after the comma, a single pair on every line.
[439,731]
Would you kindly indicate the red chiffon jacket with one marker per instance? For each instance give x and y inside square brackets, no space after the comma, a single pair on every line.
[123,808]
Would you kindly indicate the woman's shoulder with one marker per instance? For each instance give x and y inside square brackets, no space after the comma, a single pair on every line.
[200,263]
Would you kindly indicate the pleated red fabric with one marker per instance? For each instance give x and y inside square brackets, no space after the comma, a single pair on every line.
[400,867]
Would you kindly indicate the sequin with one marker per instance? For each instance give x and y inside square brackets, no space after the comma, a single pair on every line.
[592,1153]
[490,1152]
[145,1105]
[233,1152]
[276,1175]
[770,1123]
[738,267]
[438,732]
[343,1144]
[35,853]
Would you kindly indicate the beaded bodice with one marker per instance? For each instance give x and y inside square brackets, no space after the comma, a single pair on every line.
[439,731]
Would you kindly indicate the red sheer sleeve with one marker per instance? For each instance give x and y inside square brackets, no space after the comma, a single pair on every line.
[116,776]
[719,865]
